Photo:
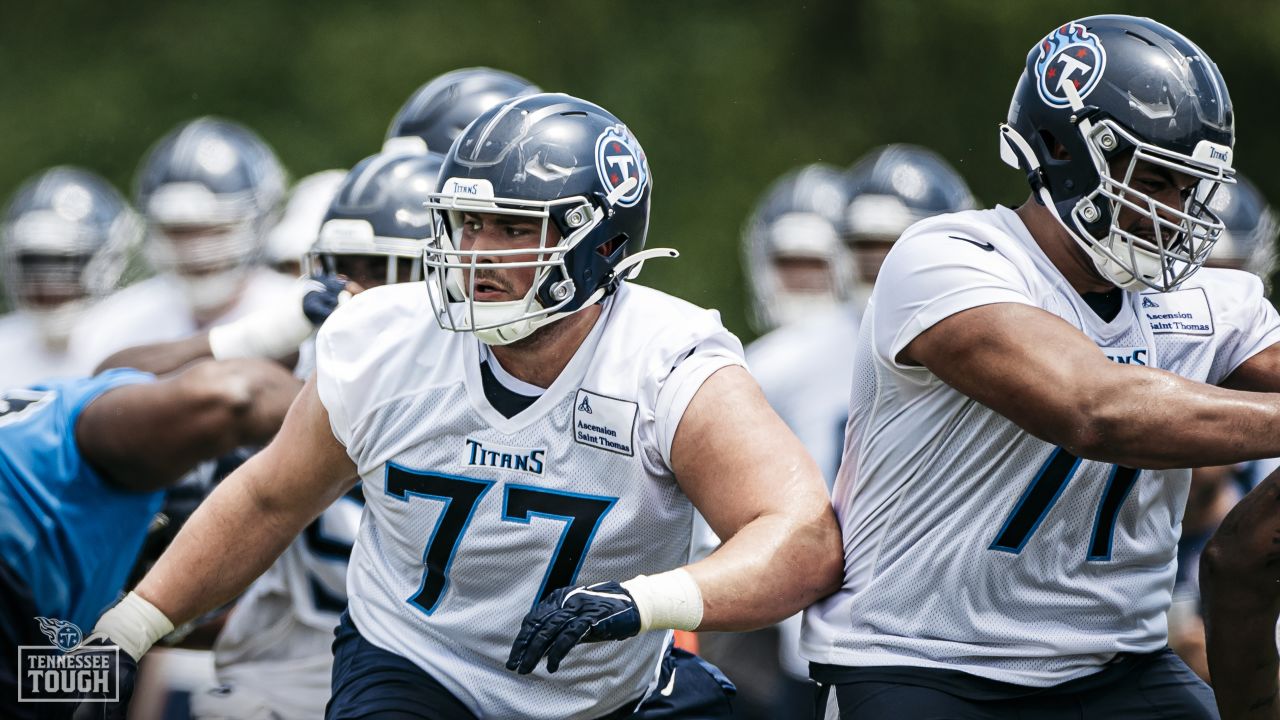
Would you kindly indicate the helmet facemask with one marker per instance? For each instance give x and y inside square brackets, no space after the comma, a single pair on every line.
[453,271]
[55,269]
[349,247]
[799,268]
[1181,238]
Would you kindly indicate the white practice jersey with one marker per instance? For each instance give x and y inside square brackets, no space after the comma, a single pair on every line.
[806,370]
[472,517]
[970,544]
[156,310]
[26,359]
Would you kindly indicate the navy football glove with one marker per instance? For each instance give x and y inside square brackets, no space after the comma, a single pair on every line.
[97,708]
[604,611]
[321,301]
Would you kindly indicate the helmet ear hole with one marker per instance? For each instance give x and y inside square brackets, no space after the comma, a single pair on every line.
[610,247]
[1054,149]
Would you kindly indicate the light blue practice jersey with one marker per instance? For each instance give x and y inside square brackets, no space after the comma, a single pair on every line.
[64,530]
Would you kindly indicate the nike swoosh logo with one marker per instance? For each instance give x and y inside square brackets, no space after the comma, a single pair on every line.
[666,691]
[984,245]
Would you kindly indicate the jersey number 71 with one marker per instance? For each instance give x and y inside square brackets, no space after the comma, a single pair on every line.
[1043,492]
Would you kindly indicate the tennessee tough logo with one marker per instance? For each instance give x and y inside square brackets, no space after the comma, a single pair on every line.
[1072,55]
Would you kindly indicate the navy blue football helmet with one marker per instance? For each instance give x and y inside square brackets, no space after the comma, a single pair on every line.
[796,262]
[572,166]
[1248,240]
[440,110]
[378,224]
[66,239]
[1114,91]
[209,191]
[890,189]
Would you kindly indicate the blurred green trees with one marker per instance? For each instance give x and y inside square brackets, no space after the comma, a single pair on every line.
[724,95]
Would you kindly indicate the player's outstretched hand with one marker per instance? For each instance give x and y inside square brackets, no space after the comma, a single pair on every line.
[95,706]
[276,331]
[323,297]
[604,611]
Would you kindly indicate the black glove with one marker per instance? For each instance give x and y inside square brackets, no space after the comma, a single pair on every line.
[96,707]
[604,611]
[319,303]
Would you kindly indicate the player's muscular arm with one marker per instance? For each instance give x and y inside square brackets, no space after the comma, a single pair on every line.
[759,490]
[252,516]
[144,437]
[1260,373]
[160,358]
[1046,376]
[1239,574]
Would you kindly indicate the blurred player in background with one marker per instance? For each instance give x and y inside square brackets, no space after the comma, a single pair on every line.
[289,241]
[1031,386]
[65,243]
[209,192]
[437,113]
[890,189]
[83,465]
[546,210]
[1247,243]
[273,656]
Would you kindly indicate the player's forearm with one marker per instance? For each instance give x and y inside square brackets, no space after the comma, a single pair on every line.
[148,438]
[1239,574]
[775,566]
[1155,419]
[160,358]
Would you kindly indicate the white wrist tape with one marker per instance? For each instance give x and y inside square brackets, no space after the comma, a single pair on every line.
[668,601]
[134,624]
[272,332]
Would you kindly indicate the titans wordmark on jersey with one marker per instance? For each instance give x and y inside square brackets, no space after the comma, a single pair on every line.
[970,544]
[473,517]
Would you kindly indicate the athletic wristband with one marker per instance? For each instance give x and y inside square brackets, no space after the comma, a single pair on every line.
[668,601]
[134,624]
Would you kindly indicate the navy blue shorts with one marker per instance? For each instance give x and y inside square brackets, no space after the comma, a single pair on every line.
[371,682]
[1152,686]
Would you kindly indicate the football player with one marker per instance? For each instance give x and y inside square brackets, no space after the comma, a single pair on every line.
[530,429]
[289,241]
[273,657]
[65,242]
[1031,386]
[796,265]
[83,465]
[209,191]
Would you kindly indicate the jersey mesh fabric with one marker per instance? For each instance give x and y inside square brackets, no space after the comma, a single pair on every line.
[931,479]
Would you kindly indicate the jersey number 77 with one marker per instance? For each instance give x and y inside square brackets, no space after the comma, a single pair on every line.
[580,513]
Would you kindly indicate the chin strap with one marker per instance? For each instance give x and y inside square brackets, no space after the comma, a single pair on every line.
[631,265]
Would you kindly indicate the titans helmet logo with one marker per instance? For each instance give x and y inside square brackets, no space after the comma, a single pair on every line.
[1070,54]
[618,159]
